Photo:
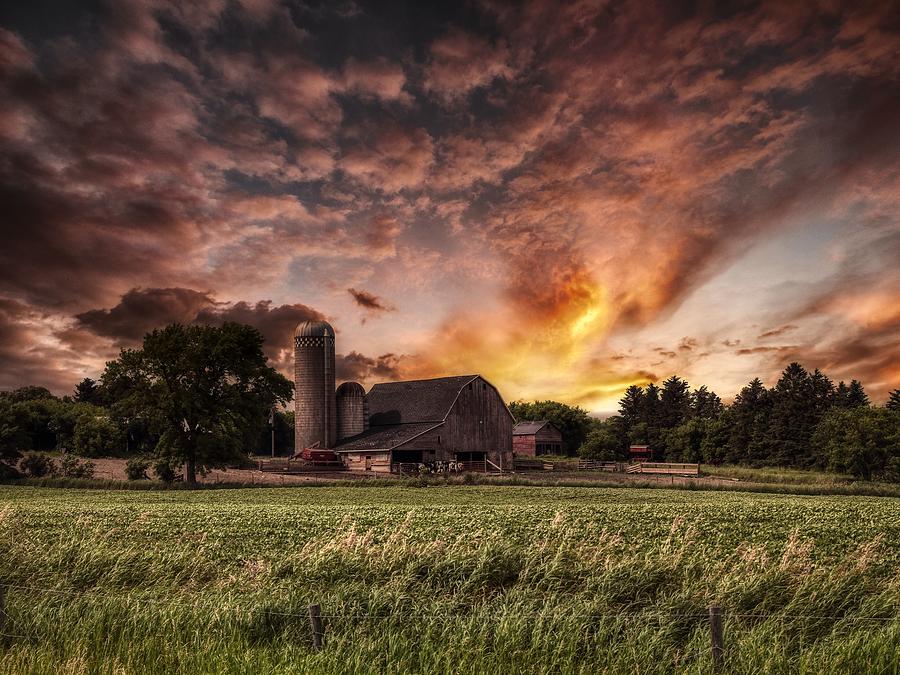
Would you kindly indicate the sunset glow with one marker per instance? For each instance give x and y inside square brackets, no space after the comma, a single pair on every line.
[564,198]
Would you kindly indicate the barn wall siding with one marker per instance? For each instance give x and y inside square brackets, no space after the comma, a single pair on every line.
[480,422]
[523,446]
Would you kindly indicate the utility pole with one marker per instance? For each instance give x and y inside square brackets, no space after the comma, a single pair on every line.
[272,425]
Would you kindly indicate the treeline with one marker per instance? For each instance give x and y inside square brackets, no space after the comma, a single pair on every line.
[805,421]
[196,396]
[91,422]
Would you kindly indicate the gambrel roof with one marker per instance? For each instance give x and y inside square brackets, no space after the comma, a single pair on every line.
[415,400]
[531,427]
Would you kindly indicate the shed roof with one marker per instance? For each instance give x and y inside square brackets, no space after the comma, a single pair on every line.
[384,437]
[414,401]
[530,427]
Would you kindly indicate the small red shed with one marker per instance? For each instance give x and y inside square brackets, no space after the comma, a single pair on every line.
[536,437]
[640,453]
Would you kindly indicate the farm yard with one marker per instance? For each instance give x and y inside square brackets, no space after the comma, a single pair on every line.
[446,579]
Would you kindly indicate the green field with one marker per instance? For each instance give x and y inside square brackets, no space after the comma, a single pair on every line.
[447,579]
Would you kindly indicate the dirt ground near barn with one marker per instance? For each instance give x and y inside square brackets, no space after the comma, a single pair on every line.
[114,469]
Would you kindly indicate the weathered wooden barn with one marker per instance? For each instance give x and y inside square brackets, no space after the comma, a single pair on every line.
[536,437]
[460,420]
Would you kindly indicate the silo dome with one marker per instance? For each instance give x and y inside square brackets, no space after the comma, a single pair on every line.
[314,329]
[351,389]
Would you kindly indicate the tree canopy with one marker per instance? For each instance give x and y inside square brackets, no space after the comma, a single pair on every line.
[205,390]
[572,421]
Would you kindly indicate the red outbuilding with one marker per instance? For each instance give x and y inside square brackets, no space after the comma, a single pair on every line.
[536,437]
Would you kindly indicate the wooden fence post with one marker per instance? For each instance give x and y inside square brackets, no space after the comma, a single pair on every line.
[718,646]
[315,623]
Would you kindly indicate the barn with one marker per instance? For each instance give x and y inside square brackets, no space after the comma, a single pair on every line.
[536,437]
[460,420]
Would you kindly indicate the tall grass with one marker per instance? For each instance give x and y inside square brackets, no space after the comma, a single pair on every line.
[181,582]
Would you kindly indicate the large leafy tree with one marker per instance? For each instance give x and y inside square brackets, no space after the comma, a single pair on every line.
[207,391]
[862,441]
[573,421]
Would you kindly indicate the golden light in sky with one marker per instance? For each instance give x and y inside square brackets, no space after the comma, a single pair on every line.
[567,198]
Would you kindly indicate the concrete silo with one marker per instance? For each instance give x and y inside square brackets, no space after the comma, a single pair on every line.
[352,410]
[314,404]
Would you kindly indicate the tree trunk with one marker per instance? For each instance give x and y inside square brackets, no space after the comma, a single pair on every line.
[190,471]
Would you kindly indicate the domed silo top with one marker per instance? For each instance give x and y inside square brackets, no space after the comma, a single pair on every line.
[351,390]
[314,329]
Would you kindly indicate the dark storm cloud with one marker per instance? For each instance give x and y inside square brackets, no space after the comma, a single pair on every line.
[358,367]
[369,301]
[142,310]
[584,167]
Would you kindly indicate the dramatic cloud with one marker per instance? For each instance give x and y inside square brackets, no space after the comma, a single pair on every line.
[566,197]
[359,368]
[369,301]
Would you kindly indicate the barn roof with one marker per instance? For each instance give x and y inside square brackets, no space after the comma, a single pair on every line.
[414,401]
[530,427]
[384,437]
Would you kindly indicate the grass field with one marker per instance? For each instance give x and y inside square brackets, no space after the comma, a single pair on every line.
[447,579]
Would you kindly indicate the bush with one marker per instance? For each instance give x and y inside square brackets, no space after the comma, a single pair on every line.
[72,467]
[8,472]
[136,469]
[37,465]
[165,471]
[97,436]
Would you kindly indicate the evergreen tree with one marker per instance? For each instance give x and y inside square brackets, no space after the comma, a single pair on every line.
[647,431]
[894,400]
[794,418]
[675,402]
[856,395]
[87,391]
[822,390]
[748,417]
[842,395]
[631,405]
[706,404]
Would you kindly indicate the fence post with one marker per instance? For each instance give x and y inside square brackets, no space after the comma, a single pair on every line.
[315,623]
[718,646]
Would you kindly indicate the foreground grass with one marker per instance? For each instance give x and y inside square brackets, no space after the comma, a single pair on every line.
[446,579]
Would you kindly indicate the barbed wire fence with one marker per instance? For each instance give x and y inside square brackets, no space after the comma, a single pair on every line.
[715,615]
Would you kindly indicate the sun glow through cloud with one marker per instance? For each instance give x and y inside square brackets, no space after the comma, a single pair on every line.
[567,198]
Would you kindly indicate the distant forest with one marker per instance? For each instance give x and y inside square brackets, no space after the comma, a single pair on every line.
[805,421]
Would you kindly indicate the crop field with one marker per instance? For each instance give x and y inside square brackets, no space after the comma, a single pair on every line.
[458,579]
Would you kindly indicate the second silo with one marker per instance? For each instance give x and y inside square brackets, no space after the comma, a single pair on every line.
[352,415]
[314,406]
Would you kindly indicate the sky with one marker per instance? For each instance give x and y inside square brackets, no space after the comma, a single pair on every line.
[565,198]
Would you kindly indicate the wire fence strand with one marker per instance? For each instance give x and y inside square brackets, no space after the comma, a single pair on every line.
[400,614]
